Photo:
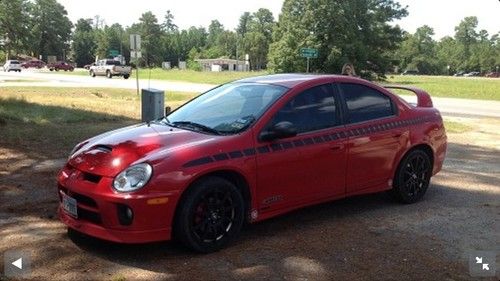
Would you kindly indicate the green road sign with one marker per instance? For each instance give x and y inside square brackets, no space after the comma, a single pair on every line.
[309,53]
[114,53]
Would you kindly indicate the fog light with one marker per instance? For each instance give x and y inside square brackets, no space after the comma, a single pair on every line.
[125,214]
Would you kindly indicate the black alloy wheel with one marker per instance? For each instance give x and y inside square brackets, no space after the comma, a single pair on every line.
[210,216]
[412,177]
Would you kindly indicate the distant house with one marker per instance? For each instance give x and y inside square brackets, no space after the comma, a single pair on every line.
[222,64]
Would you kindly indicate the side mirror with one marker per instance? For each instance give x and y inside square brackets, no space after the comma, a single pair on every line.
[280,130]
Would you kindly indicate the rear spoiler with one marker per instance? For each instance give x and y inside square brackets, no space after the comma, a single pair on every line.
[423,98]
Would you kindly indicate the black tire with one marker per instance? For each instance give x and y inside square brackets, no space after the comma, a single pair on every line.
[92,73]
[210,215]
[108,74]
[412,177]
[126,76]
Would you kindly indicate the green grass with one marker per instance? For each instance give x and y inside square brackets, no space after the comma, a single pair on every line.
[205,77]
[456,127]
[50,121]
[454,87]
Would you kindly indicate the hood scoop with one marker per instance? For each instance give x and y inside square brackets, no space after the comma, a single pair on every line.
[103,148]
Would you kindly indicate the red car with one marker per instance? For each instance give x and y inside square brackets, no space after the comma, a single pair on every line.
[248,151]
[60,65]
[33,64]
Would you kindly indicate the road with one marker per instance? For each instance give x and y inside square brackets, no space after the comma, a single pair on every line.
[448,106]
[44,79]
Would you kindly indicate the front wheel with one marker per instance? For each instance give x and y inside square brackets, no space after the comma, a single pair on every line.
[126,76]
[108,74]
[412,177]
[210,215]
[92,73]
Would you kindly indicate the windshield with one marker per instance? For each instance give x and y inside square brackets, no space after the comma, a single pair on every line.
[230,108]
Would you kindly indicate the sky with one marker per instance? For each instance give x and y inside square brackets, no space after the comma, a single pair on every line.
[442,15]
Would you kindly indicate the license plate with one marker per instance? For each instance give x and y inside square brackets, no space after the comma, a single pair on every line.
[69,205]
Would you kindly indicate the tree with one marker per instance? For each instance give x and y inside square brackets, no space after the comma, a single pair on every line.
[51,28]
[83,45]
[215,29]
[418,52]
[168,25]
[357,31]
[151,35]
[13,25]
[466,36]
[255,35]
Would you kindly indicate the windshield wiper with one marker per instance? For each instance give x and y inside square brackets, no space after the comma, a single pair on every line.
[195,125]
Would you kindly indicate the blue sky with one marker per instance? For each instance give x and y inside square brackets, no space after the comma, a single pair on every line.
[442,15]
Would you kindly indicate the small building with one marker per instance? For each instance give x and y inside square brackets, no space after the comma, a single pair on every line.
[223,64]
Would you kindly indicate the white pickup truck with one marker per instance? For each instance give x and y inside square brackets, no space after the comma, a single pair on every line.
[110,68]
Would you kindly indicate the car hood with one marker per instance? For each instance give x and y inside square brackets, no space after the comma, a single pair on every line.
[110,153]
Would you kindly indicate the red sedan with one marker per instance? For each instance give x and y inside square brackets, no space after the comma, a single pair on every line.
[60,65]
[248,151]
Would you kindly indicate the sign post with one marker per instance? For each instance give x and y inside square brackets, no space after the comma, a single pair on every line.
[308,53]
[135,52]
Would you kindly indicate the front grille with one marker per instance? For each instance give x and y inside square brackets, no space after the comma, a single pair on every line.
[91,177]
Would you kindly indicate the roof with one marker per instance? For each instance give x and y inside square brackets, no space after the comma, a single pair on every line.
[286,80]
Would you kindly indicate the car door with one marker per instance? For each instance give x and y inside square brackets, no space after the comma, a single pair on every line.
[374,140]
[310,165]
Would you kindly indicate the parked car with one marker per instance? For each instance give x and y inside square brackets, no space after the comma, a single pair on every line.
[33,64]
[250,150]
[493,74]
[473,73]
[459,73]
[410,72]
[110,68]
[60,65]
[12,65]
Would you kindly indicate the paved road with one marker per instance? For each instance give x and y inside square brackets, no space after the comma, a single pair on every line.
[36,78]
[447,106]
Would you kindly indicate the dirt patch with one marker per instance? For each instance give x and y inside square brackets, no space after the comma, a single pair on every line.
[363,238]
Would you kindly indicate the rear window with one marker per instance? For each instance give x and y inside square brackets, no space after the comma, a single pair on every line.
[364,103]
[112,62]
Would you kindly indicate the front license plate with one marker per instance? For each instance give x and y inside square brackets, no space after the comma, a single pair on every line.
[69,205]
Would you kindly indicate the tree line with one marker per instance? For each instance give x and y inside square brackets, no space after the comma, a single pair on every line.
[356,31]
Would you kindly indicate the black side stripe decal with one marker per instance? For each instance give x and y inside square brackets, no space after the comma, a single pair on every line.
[286,145]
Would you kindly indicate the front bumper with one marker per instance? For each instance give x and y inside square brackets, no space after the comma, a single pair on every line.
[98,209]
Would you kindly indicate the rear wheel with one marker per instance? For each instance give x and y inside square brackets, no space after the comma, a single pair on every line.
[412,177]
[210,215]
[126,76]
[108,74]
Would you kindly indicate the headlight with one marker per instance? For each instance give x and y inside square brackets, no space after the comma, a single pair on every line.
[133,178]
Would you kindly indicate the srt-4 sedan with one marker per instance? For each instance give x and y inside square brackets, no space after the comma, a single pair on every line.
[247,151]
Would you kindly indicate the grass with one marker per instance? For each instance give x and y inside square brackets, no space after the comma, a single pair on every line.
[456,127]
[50,121]
[205,77]
[455,87]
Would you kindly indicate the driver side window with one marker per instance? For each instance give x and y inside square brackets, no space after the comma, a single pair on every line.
[314,109]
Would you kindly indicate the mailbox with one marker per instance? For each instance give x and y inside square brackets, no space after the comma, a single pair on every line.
[153,104]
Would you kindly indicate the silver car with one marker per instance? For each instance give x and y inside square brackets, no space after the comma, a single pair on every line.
[12,65]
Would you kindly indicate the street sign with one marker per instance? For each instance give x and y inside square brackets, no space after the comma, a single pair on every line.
[135,42]
[136,54]
[309,53]
[114,53]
